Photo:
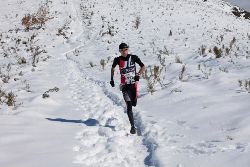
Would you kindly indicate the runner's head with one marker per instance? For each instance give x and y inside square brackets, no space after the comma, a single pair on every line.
[123,48]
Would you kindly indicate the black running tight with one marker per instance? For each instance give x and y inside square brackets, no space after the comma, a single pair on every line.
[130,113]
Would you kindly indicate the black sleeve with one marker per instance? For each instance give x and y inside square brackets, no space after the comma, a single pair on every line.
[138,61]
[115,62]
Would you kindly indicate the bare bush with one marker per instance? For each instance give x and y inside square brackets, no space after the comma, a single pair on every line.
[183,69]
[111,30]
[223,50]
[11,99]
[150,86]
[46,94]
[5,78]
[20,73]
[152,76]
[37,20]
[227,51]
[217,52]
[156,72]
[76,52]
[202,50]
[137,22]
[2,95]
[91,64]
[178,60]
[240,82]
[7,98]
[63,30]
[13,49]
[162,55]
[22,61]
[103,63]
[107,27]
[206,71]
[245,84]
[161,59]
[170,33]
[232,42]
[36,51]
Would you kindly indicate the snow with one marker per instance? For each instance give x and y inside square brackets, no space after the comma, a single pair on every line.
[197,118]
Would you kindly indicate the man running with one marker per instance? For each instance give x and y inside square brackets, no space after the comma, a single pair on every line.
[129,79]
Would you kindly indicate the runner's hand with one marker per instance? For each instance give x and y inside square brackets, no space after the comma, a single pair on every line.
[112,83]
[137,78]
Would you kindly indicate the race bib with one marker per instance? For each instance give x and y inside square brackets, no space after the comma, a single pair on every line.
[129,77]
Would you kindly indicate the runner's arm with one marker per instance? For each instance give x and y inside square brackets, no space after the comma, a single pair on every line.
[141,71]
[112,73]
[138,61]
[115,62]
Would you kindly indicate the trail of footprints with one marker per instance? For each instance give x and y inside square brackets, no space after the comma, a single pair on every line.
[104,138]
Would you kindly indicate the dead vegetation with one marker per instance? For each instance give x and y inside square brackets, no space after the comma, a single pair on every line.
[38,19]
[217,52]
[223,50]
[20,50]
[137,22]
[181,75]
[152,75]
[46,94]
[178,60]
[205,70]
[8,98]
[63,31]
[244,84]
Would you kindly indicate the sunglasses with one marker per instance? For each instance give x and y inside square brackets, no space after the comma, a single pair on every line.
[125,49]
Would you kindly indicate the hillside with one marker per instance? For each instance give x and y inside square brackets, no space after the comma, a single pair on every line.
[58,109]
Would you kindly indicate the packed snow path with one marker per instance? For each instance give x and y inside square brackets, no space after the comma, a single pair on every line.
[104,139]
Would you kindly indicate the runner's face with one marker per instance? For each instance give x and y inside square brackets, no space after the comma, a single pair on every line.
[124,52]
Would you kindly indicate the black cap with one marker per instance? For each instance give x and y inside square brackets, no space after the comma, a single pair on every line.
[123,45]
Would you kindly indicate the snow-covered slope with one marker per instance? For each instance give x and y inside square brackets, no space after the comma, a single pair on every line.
[193,99]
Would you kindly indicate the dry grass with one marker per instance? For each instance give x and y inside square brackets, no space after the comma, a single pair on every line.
[217,52]
[202,50]
[232,42]
[152,76]
[170,33]
[178,60]
[2,95]
[137,22]
[245,84]
[37,20]
[7,98]
[11,99]
[103,63]
[183,69]
[22,60]
[46,94]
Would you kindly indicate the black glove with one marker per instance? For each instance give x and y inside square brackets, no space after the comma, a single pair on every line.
[112,83]
[137,77]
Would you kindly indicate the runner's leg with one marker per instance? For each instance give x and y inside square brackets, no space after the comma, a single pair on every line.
[130,113]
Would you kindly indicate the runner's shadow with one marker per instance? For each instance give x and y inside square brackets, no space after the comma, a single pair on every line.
[91,122]
[88,122]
